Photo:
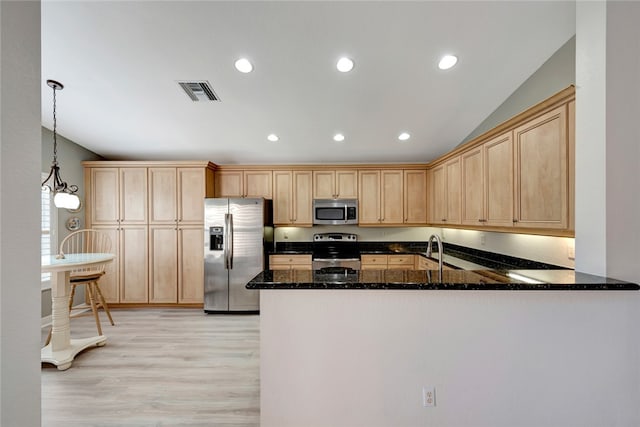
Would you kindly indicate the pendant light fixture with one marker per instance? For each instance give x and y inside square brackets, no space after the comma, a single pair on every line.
[63,195]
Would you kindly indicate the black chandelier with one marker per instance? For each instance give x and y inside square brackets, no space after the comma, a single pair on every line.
[63,195]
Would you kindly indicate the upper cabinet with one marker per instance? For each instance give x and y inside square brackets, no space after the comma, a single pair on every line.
[176,195]
[487,183]
[292,198]
[118,196]
[445,192]
[244,183]
[335,184]
[380,197]
[541,171]
[415,197]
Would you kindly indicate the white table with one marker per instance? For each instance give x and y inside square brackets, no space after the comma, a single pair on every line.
[62,349]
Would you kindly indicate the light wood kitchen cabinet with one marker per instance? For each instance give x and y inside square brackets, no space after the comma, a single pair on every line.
[415,197]
[190,265]
[338,184]
[373,262]
[244,183]
[117,196]
[445,194]
[163,264]
[400,262]
[380,197]
[133,254]
[158,260]
[290,262]
[292,198]
[487,183]
[541,165]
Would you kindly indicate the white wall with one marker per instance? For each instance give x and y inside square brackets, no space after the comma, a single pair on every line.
[497,358]
[623,141]
[591,202]
[20,85]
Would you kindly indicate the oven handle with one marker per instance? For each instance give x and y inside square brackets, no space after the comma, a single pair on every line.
[335,259]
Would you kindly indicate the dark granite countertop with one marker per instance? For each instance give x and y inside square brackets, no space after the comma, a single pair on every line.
[512,280]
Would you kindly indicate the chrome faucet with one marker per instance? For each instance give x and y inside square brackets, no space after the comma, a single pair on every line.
[440,251]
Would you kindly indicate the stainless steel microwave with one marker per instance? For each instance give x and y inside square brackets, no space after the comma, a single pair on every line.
[335,211]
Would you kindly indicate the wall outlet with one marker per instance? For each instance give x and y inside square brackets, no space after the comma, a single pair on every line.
[483,239]
[428,396]
[286,236]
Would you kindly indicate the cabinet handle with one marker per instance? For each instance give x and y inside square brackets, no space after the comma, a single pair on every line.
[444,220]
[515,220]
[482,220]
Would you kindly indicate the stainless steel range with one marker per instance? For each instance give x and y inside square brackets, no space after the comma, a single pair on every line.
[335,250]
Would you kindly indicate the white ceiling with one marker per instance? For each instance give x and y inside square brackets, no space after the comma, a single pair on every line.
[120,61]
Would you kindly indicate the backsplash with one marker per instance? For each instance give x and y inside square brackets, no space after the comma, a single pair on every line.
[545,249]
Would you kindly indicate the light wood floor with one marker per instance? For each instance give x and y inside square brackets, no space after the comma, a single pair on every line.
[160,367]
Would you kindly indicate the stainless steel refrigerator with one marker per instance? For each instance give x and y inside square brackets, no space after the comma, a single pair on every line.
[236,234]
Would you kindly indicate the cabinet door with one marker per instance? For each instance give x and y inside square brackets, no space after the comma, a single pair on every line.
[346,184]
[302,198]
[133,264]
[191,265]
[369,197]
[133,195]
[109,282]
[282,197]
[228,183]
[473,187]
[392,197]
[162,196]
[439,195]
[541,171]
[191,193]
[163,264]
[415,197]
[104,197]
[324,185]
[258,184]
[454,191]
[498,179]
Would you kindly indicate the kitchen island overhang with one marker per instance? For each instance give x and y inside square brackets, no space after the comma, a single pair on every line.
[338,353]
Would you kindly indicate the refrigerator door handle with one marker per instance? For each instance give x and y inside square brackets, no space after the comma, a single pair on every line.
[226,241]
[230,228]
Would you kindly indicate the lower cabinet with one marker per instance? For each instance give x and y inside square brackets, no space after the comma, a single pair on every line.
[290,262]
[387,262]
[176,265]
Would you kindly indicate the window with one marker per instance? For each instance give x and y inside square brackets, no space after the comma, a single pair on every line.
[48,221]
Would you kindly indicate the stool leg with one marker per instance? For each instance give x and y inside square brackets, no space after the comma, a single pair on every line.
[104,303]
[93,307]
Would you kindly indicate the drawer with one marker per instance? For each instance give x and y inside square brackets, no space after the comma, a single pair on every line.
[401,260]
[289,259]
[373,259]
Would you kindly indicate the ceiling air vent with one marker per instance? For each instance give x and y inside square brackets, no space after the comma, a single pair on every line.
[199,91]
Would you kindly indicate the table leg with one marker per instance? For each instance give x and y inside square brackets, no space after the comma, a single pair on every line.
[62,349]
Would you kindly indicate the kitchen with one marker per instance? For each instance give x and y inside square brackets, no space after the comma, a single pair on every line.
[616,257]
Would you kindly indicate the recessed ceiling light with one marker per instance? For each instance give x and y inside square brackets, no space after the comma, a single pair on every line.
[447,62]
[344,65]
[273,137]
[404,136]
[243,65]
[338,137]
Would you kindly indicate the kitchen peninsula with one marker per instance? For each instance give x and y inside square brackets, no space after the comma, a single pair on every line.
[361,348]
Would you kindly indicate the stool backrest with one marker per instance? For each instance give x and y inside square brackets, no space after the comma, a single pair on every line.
[86,241]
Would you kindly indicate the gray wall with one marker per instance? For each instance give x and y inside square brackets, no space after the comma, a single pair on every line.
[554,75]
[70,155]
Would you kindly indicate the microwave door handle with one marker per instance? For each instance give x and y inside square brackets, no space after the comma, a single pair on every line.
[346,213]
